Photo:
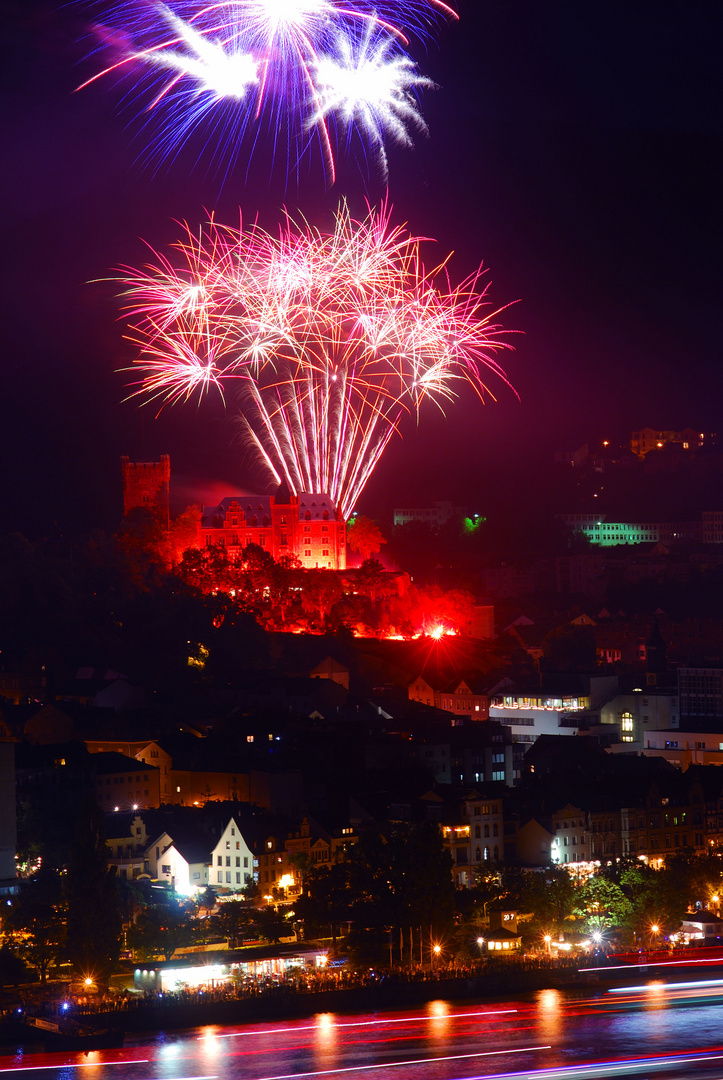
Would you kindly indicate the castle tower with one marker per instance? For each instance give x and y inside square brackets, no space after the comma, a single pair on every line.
[146,485]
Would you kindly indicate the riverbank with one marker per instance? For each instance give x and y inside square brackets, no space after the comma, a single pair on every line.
[170,1013]
[176,1012]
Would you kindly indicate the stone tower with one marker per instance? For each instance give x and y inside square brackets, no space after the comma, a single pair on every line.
[146,485]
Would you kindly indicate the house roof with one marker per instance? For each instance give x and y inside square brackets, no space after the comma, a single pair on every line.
[110,761]
[502,934]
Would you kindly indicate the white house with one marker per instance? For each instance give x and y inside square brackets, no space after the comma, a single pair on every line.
[182,864]
[232,861]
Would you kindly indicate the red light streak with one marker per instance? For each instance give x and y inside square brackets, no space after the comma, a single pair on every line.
[401,1064]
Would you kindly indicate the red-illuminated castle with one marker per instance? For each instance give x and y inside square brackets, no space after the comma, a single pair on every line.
[307,526]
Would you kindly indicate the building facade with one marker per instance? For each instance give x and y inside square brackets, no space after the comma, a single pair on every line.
[307,526]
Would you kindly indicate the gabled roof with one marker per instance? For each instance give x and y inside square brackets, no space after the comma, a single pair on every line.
[502,934]
[193,851]
[110,761]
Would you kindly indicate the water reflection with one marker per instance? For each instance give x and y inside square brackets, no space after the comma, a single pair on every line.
[438,1041]
[550,1005]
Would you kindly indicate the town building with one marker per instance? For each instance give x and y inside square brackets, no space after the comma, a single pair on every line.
[232,861]
[462,696]
[124,783]
[647,439]
[551,707]
[571,843]
[436,515]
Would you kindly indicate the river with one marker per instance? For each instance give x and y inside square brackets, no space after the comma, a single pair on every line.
[671,1029]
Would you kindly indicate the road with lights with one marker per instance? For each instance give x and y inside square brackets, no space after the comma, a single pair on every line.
[672,1030]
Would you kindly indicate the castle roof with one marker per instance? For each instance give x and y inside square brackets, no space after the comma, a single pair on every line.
[310,506]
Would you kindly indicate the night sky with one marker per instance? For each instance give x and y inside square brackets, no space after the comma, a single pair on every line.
[574,148]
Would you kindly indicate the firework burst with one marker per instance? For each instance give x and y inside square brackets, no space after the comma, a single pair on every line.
[314,70]
[330,338]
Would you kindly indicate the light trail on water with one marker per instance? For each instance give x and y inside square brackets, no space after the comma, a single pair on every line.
[402,1064]
[354,1024]
[90,1065]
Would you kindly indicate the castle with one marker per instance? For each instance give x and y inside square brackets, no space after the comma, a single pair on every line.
[146,486]
[307,526]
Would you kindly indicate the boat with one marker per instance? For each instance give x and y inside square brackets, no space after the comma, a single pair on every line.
[68,1034]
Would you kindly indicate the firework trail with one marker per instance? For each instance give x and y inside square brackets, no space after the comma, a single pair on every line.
[314,70]
[330,339]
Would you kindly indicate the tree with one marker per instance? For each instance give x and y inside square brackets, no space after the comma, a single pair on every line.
[326,902]
[93,921]
[234,922]
[160,931]
[183,532]
[602,904]
[207,900]
[321,590]
[402,877]
[373,580]
[364,537]
[270,924]
[36,923]
[12,968]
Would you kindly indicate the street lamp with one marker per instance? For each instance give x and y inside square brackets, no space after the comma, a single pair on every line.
[548,942]
[436,950]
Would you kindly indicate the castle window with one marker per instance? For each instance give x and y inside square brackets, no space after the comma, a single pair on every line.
[307,552]
[283,539]
[265,522]
[234,521]
[307,528]
[326,515]
[254,522]
[325,551]
[324,528]
[307,516]
[234,539]
[282,521]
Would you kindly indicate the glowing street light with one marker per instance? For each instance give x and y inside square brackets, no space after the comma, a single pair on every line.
[548,942]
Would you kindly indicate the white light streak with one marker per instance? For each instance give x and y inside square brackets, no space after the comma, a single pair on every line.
[401,1064]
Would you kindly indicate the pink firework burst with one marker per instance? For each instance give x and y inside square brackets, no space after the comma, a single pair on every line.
[329,337]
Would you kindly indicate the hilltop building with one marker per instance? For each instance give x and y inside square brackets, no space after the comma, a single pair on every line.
[307,526]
